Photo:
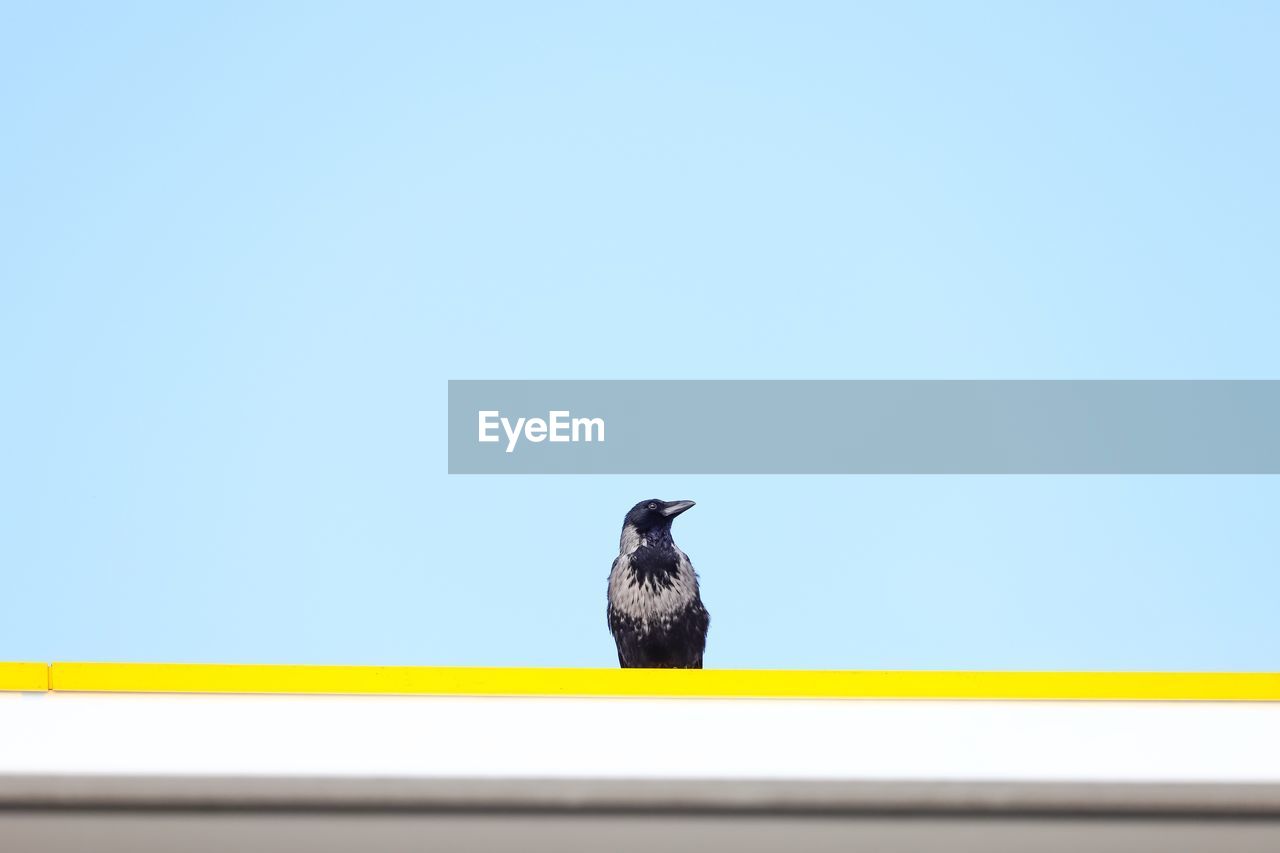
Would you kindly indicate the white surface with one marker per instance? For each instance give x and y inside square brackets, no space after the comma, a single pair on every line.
[400,736]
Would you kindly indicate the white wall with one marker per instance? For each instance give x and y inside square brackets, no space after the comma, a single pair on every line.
[419,736]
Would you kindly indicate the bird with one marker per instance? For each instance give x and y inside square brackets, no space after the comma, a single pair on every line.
[655,612]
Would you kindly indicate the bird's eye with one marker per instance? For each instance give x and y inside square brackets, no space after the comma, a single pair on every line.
[653,506]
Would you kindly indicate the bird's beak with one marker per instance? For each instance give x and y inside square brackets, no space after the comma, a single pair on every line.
[673,508]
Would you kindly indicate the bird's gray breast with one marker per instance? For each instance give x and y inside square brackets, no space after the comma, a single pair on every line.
[651,597]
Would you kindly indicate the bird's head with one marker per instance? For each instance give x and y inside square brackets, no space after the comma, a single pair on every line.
[655,514]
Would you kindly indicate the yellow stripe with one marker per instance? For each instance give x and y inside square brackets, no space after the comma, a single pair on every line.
[476,681]
[31,677]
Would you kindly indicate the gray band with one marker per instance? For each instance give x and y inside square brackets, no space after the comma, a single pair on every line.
[870,427]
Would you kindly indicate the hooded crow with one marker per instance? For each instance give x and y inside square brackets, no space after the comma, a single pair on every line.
[655,614]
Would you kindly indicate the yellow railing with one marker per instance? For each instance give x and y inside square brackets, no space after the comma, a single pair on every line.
[30,677]
[719,683]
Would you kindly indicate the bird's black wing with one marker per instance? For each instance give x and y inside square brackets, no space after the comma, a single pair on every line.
[693,634]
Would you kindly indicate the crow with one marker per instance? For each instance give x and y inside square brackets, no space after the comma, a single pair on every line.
[655,614]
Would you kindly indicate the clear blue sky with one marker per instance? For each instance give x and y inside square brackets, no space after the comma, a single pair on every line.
[245,245]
